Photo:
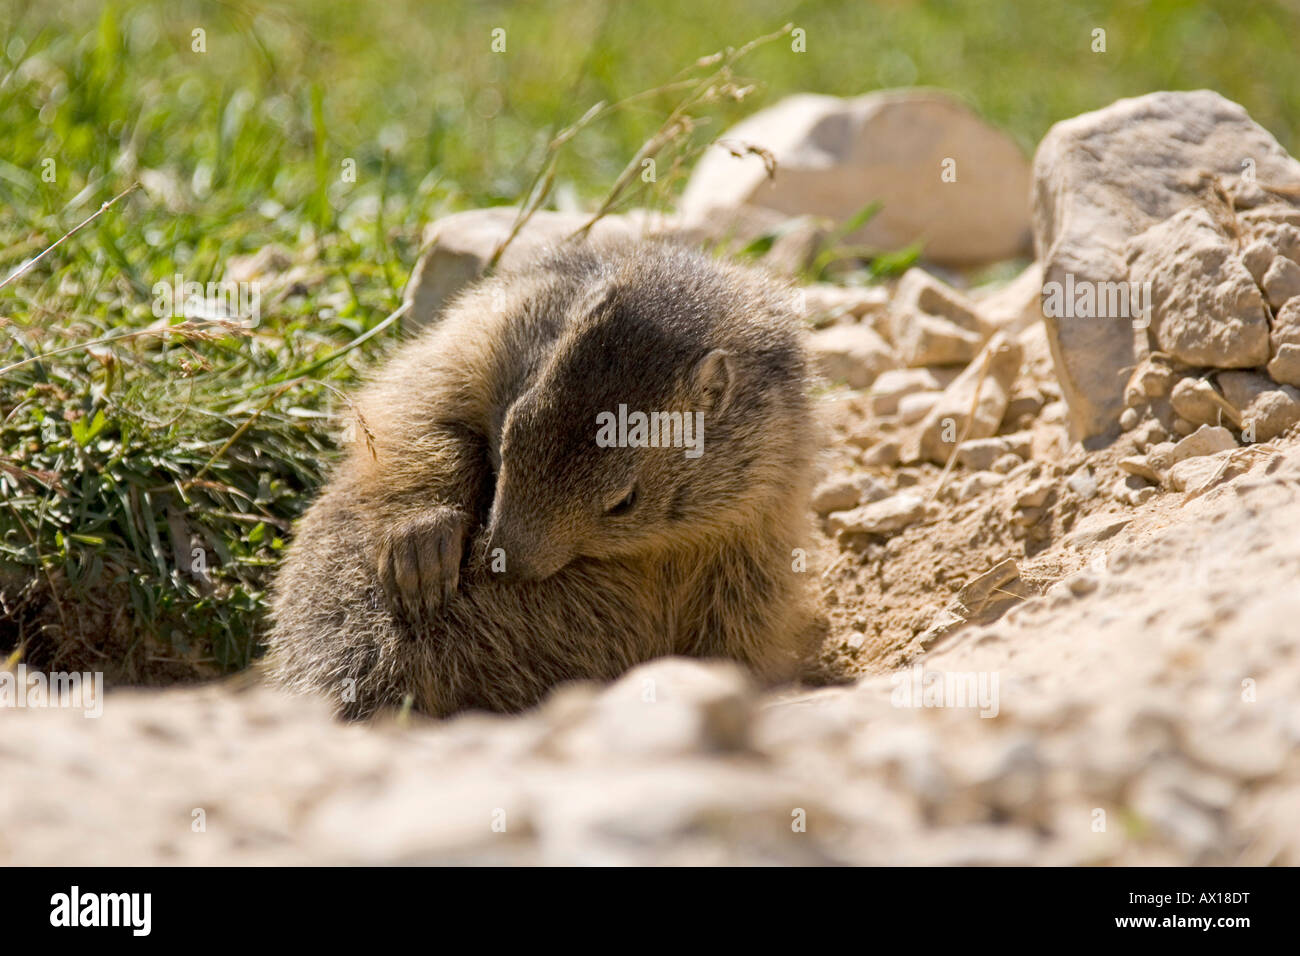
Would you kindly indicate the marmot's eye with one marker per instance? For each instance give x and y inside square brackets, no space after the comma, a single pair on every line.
[625,505]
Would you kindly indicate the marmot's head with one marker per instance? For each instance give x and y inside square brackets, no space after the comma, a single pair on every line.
[670,411]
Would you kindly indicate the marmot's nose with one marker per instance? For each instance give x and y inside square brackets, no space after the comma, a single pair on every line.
[507,558]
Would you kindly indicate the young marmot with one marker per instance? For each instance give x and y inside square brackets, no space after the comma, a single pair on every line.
[512,522]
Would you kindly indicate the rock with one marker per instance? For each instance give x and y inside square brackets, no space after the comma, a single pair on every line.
[1198,475]
[1128,419]
[834,156]
[932,324]
[1016,305]
[1257,257]
[1271,414]
[1281,282]
[1161,456]
[1196,400]
[672,705]
[1241,388]
[1005,464]
[893,384]
[1083,483]
[979,454]
[1278,225]
[826,301]
[929,340]
[853,354]
[1035,495]
[978,483]
[1206,440]
[883,454]
[1286,325]
[1153,377]
[1284,366]
[1104,177]
[882,517]
[843,492]
[1133,490]
[950,421]
[1205,307]
[1139,467]
[912,408]
[458,248]
[1095,529]
[1265,408]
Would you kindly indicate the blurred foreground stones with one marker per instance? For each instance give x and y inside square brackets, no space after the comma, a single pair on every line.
[1147,711]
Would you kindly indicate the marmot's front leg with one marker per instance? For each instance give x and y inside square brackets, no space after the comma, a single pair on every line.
[419,561]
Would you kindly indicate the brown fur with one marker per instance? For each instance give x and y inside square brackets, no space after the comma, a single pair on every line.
[484,431]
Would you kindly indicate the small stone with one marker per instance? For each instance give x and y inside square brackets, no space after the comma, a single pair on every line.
[1093,530]
[912,408]
[1196,400]
[1035,494]
[1284,367]
[977,484]
[1128,419]
[892,385]
[1005,464]
[1281,282]
[842,492]
[1082,583]
[1257,257]
[949,419]
[1152,378]
[1182,427]
[1139,467]
[1271,413]
[1197,475]
[1206,440]
[1161,456]
[1286,324]
[882,517]
[883,454]
[853,354]
[1083,483]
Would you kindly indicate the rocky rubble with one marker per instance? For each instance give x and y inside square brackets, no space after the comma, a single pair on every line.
[1168,189]
[1145,711]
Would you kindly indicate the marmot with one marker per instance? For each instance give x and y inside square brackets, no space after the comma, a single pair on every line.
[508,522]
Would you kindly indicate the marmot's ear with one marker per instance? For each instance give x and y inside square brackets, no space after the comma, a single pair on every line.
[715,379]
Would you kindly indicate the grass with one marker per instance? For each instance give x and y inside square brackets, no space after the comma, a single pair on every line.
[148,482]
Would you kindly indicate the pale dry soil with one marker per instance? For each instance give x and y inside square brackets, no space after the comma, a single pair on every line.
[1147,711]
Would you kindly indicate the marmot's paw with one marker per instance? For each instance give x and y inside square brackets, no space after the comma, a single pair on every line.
[419,562]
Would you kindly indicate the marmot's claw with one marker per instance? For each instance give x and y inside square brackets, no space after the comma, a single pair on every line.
[419,563]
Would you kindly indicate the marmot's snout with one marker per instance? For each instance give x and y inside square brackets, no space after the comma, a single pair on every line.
[518,549]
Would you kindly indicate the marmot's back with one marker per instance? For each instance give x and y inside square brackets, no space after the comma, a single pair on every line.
[596,459]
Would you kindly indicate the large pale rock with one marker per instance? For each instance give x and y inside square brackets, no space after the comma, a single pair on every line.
[835,156]
[1205,306]
[459,247]
[1104,177]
